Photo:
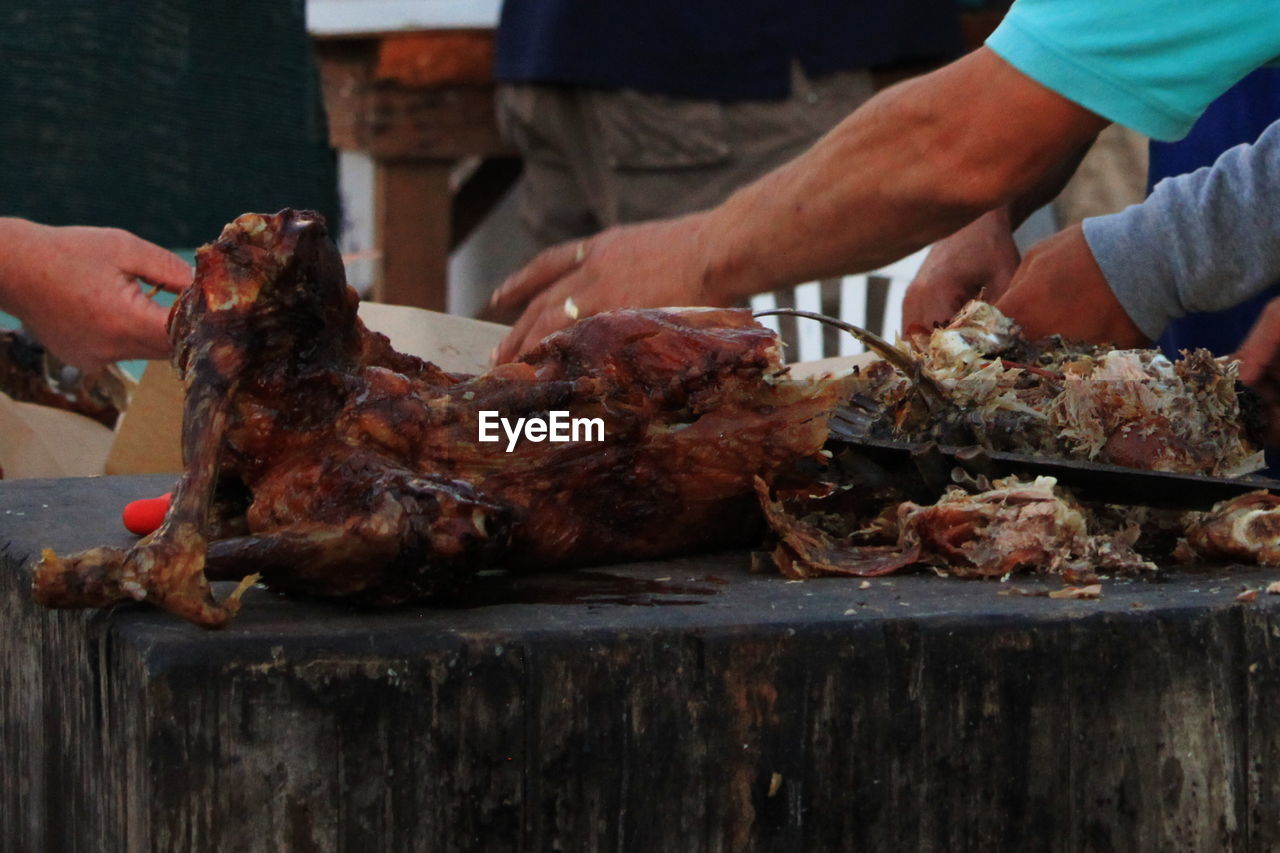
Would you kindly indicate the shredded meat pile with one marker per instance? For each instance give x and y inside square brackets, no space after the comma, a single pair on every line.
[1244,529]
[1002,527]
[1125,407]
[321,459]
[977,382]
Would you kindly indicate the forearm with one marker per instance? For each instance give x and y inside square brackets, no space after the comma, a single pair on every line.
[906,169]
[1048,188]
[76,289]
[1202,242]
[1007,218]
[17,237]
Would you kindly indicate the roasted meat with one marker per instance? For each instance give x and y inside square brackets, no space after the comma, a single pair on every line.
[814,535]
[1244,529]
[1134,408]
[1012,526]
[29,373]
[1005,527]
[977,382]
[321,459]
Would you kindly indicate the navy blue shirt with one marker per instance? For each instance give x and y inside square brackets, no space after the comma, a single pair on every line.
[714,49]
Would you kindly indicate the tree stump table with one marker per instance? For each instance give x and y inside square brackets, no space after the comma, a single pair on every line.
[679,705]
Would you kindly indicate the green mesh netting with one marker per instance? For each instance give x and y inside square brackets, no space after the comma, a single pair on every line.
[165,117]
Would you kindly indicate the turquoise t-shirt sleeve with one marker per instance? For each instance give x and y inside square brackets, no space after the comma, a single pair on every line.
[1151,65]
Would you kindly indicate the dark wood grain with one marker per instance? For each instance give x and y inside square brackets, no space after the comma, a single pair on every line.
[682,705]
[413,211]
[394,121]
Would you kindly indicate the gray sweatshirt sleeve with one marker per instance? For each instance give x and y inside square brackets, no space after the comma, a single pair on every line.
[1203,241]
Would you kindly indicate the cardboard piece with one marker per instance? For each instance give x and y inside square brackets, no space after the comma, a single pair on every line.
[457,344]
[147,439]
[39,441]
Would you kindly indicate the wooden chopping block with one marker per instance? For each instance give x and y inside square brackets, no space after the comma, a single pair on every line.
[687,704]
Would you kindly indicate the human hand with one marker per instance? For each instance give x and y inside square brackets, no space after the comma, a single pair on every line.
[650,265]
[981,256]
[1259,357]
[1059,289]
[75,289]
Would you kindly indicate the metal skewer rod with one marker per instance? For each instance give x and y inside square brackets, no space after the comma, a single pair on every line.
[876,344]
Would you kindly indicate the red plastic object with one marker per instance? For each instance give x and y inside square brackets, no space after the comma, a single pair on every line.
[142,517]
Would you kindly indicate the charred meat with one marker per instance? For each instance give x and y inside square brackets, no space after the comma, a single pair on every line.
[29,373]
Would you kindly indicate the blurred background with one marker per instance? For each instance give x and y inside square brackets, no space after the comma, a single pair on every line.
[171,117]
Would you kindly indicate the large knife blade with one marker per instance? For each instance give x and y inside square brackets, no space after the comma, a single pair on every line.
[1090,481]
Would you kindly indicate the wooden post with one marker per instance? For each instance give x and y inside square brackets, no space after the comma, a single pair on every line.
[418,104]
[412,227]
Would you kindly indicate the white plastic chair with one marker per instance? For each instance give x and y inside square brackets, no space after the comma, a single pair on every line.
[872,300]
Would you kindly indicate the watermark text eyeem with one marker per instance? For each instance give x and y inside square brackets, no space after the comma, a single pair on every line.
[558,426]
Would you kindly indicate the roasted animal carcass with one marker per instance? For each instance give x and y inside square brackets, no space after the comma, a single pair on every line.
[323,460]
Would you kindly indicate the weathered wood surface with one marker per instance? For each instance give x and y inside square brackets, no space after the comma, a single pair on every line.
[394,121]
[412,213]
[418,123]
[685,705]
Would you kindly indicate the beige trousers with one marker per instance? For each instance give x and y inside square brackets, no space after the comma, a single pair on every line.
[1112,176]
[596,158]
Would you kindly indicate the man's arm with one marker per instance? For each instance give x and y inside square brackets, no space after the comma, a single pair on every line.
[914,164]
[1202,242]
[75,288]
[980,258]
[1059,289]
